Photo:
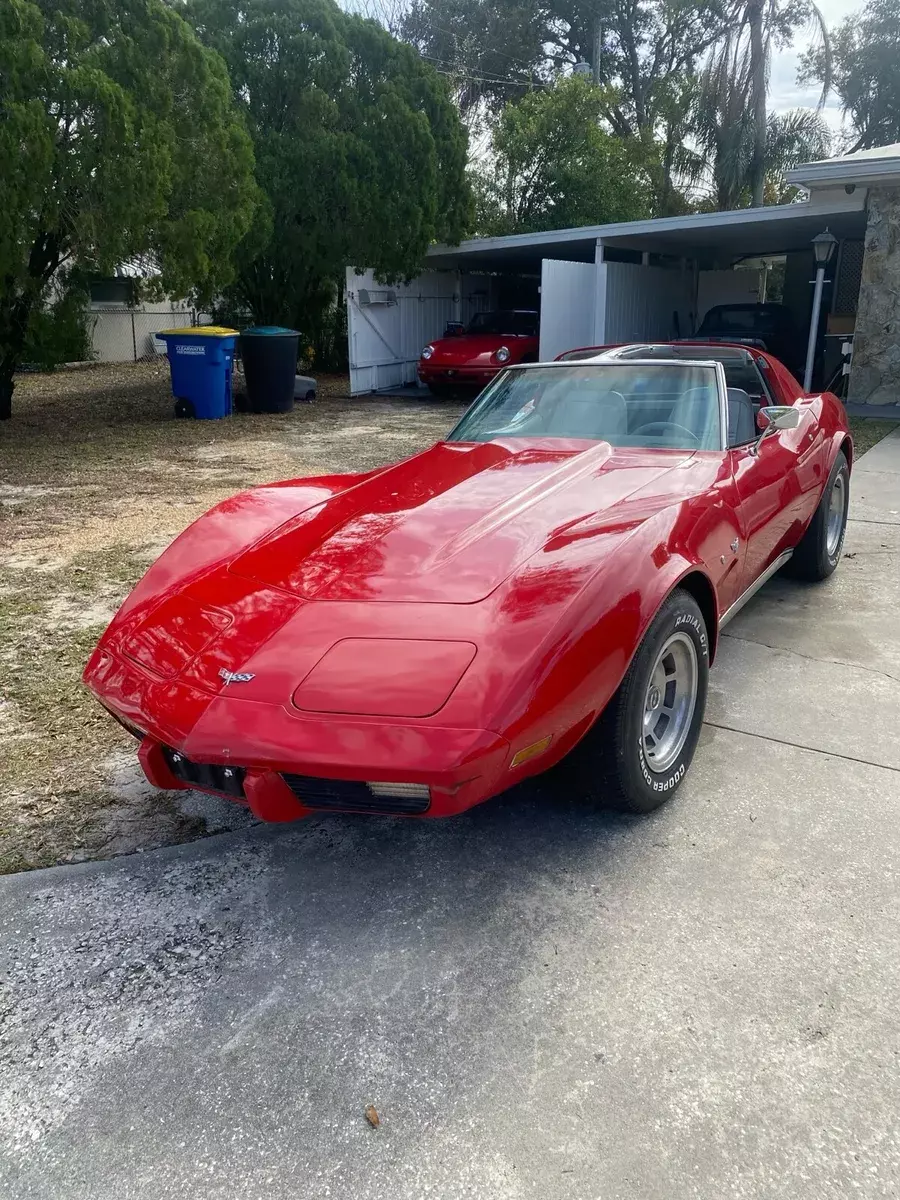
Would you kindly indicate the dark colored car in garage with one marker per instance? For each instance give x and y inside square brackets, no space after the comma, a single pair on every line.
[769,326]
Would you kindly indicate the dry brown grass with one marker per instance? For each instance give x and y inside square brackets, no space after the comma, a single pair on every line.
[96,478]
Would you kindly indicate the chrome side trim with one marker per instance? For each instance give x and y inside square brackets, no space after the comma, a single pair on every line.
[754,588]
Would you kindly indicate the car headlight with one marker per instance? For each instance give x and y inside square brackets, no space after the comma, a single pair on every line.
[428,351]
[502,355]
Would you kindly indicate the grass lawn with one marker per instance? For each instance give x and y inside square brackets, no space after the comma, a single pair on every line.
[867,431]
[96,478]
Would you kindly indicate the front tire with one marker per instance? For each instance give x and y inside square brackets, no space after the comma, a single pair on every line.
[819,551]
[638,753]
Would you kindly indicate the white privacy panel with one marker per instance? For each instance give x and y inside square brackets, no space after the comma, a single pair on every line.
[726,287]
[568,290]
[388,326]
[638,302]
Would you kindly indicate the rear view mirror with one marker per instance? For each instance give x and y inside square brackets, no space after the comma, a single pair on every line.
[775,420]
[781,416]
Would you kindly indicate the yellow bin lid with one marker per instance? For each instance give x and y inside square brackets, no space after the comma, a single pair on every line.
[202,331]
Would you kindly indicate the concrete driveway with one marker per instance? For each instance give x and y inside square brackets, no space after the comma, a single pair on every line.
[542,1002]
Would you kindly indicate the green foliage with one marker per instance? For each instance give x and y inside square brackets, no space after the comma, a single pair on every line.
[738,162]
[866,72]
[733,119]
[497,48]
[119,140]
[359,150]
[60,331]
[552,165]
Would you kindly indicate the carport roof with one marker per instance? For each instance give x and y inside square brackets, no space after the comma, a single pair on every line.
[711,236]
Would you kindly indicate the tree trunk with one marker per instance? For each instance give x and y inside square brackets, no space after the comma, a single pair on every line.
[758,101]
[14,316]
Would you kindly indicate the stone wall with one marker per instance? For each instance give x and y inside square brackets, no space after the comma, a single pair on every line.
[875,375]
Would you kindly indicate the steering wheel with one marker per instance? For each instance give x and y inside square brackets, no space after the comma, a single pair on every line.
[655,427]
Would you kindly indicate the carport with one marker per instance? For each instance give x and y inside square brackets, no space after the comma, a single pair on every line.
[631,280]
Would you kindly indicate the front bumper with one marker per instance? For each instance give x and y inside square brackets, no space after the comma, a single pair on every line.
[462,376]
[244,749]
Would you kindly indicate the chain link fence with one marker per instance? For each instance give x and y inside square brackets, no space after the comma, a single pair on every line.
[129,334]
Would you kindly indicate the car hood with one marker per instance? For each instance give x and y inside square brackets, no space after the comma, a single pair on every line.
[451,524]
[471,346]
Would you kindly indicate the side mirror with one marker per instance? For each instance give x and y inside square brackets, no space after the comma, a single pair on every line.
[454,329]
[775,420]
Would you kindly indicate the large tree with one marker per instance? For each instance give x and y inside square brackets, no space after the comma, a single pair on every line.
[642,51]
[551,165]
[359,150]
[118,139]
[741,62]
[866,73]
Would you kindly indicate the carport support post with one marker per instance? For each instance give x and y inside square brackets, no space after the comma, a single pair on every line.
[823,247]
[814,328]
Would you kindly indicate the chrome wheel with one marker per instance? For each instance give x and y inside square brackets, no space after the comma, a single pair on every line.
[837,506]
[669,702]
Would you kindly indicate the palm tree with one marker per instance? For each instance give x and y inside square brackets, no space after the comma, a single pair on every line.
[745,56]
[725,132]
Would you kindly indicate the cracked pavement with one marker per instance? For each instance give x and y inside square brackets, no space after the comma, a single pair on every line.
[542,1001]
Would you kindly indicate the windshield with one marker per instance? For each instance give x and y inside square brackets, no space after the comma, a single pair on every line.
[505,321]
[666,405]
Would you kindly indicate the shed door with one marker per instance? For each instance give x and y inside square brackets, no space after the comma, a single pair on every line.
[388,326]
[567,306]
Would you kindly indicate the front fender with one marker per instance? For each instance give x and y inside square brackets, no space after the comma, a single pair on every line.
[584,657]
[228,528]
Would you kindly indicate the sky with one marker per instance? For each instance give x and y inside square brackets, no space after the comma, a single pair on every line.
[784,92]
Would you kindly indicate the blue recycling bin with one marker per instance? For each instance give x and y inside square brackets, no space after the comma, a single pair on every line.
[200,360]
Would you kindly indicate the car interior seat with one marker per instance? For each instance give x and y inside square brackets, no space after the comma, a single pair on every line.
[741,418]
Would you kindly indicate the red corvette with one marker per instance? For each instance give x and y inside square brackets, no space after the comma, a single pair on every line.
[547,583]
[473,357]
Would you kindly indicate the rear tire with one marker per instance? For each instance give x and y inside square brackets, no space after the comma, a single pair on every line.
[638,753]
[184,409]
[819,550]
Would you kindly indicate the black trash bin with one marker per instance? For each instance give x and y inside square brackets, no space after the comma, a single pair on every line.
[269,354]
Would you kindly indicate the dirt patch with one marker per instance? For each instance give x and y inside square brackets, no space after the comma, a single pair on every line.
[96,478]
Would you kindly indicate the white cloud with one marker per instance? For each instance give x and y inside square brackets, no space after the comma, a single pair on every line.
[784,91]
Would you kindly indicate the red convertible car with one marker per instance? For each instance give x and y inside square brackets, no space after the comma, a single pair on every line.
[548,583]
[475,355]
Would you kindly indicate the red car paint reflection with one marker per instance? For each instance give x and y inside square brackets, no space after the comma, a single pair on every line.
[491,592]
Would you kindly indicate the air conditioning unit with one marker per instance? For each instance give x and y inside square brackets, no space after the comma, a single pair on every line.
[367,297]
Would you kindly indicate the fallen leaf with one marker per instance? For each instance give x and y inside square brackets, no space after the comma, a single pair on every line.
[372,1116]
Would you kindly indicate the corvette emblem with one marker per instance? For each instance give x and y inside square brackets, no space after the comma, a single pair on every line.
[235,676]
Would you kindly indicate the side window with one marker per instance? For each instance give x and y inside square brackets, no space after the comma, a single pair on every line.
[765,390]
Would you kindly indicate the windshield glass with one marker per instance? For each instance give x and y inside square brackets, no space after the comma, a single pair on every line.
[738,365]
[666,405]
[505,321]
